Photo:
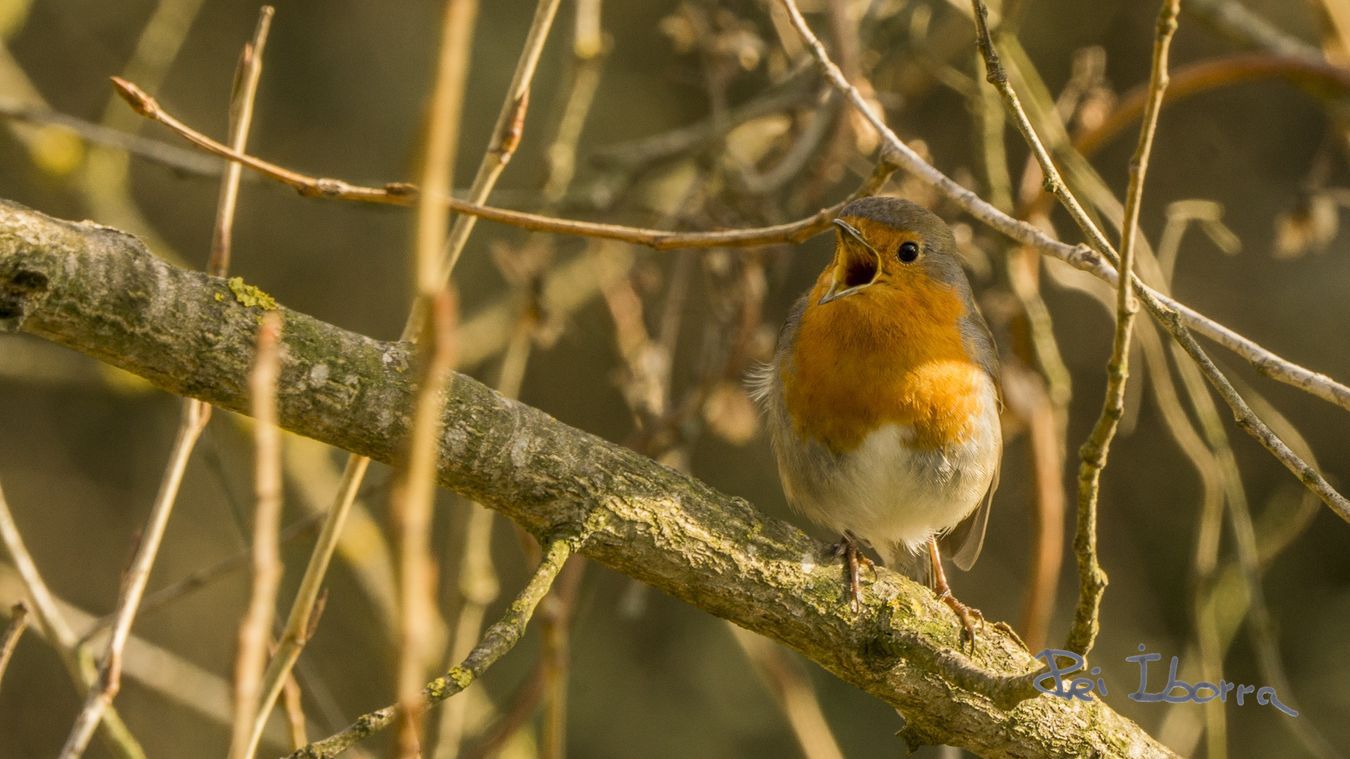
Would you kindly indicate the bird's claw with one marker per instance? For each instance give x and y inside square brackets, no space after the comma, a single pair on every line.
[968,616]
[851,552]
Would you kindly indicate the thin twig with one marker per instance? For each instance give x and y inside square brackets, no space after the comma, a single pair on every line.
[181,161]
[414,492]
[507,133]
[1041,399]
[76,658]
[411,503]
[303,614]
[242,98]
[255,630]
[500,638]
[200,578]
[403,194]
[792,689]
[194,417]
[18,622]
[1091,577]
[292,704]
[1079,256]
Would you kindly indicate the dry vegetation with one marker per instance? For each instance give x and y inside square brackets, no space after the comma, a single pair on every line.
[653,185]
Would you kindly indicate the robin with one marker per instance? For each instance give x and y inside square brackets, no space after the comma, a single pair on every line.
[882,399]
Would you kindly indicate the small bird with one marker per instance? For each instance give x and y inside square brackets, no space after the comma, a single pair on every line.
[882,398]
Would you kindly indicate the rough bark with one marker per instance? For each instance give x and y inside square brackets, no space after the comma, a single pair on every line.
[100,292]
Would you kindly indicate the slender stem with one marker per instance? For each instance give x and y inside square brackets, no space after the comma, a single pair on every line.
[246,76]
[194,417]
[302,617]
[195,413]
[500,638]
[411,503]
[507,133]
[442,140]
[78,663]
[255,630]
[1092,579]
[18,622]
[405,195]
[414,491]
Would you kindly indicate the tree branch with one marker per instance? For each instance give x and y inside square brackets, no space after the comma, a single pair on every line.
[99,291]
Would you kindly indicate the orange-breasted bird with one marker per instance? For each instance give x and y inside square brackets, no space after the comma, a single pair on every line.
[882,399]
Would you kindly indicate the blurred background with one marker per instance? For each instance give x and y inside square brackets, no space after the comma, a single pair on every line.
[695,115]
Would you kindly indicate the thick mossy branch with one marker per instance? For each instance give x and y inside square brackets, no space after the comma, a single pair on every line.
[99,291]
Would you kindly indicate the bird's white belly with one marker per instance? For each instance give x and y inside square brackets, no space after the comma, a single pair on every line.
[895,495]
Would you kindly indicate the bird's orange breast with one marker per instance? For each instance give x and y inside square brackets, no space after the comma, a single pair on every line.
[887,355]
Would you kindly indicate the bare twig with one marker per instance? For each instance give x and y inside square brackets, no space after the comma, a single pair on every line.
[246,76]
[183,161]
[1080,257]
[303,615]
[411,503]
[292,705]
[414,491]
[255,630]
[18,622]
[406,194]
[77,660]
[1092,579]
[792,689]
[507,133]
[194,418]
[500,638]
[1041,399]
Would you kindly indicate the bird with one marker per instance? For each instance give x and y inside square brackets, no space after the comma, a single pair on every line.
[882,399]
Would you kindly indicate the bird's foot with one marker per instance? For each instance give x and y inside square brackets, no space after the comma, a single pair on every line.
[967,614]
[850,549]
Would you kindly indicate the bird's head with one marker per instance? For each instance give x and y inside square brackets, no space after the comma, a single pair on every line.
[888,246]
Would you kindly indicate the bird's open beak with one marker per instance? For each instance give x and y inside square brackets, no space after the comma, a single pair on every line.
[857,264]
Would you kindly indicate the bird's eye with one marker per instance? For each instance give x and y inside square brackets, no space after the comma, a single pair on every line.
[908,253]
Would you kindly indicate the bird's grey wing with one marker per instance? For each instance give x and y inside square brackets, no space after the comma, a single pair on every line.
[968,536]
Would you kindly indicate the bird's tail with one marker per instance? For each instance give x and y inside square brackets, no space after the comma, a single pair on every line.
[910,563]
